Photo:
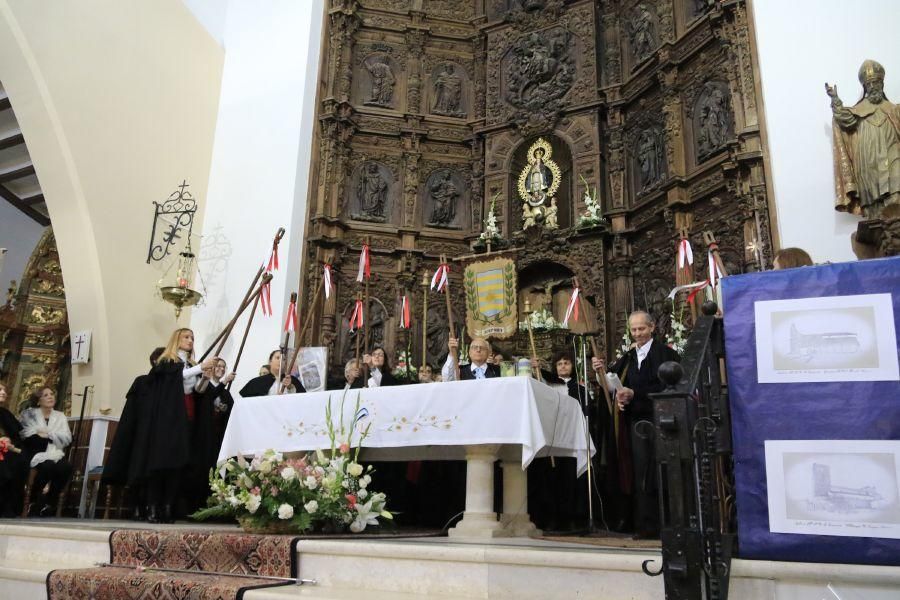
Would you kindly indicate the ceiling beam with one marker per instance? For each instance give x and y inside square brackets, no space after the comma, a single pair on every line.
[17,173]
[17,202]
[32,200]
[16,139]
[4,103]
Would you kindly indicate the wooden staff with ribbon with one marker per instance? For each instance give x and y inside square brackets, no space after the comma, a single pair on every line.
[424,319]
[240,352]
[247,296]
[578,300]
[441,282]
[534,355]
[323,283]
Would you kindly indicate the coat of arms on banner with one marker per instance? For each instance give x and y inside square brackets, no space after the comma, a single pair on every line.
[491,298]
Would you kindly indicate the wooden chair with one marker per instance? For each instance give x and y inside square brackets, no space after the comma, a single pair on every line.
[29,484]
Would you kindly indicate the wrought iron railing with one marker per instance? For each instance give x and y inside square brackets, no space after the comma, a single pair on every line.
[692,430]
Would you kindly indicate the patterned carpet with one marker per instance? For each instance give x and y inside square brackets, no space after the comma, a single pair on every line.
[222,565]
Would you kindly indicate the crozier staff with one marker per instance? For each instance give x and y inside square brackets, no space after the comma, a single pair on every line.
[269,385]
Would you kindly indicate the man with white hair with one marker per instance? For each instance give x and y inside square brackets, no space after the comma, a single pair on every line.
[478,367]
[638,370]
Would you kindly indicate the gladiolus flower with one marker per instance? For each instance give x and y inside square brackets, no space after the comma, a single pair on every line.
[344,448]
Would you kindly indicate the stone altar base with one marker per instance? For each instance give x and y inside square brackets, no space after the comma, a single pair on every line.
[877,238]
[441,567]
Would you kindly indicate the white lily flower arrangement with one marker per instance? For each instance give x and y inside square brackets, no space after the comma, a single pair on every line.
[325,491]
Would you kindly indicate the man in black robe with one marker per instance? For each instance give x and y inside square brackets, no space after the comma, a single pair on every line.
[638,370]
[264,385]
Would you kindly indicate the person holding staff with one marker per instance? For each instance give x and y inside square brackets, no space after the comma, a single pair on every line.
[478,367]
[269,385]
[638,370]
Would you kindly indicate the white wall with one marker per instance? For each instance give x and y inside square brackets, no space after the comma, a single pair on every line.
[117,100]
[259,176]
[802,44]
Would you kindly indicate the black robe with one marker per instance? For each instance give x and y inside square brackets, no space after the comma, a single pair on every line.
[121,451]
[634,467]
[14,466]
[260,386]
[164,439]
[465,372]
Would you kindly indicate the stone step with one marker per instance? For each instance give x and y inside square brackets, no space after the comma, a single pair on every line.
[439,569]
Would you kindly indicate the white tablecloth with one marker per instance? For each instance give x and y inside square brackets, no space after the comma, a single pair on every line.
[422,421]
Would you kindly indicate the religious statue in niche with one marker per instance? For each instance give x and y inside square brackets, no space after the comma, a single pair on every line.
[539,68]
[437,334]
[383,80]
[641,33]
[867,148]
[443,194]
[713,120]
[448,92]
[371,194]
[703,6]
[538,183]
[650,158]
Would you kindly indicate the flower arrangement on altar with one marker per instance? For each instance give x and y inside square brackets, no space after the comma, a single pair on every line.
[491,229]
[319,491]
[404,369]
[541,319]
[591,216]
[676,339]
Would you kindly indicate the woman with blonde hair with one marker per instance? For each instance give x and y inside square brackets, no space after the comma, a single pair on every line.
[167,444]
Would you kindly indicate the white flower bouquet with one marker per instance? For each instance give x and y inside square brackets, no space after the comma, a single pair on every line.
[320,491]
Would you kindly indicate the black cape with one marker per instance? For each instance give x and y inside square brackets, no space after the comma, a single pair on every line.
[118,461]
[162,438]
[260,386]
[465,372]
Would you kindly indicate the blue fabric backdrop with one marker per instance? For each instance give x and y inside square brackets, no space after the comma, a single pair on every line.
[802,411]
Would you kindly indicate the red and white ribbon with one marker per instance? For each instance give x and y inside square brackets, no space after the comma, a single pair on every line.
[572,309]
[685,253]
[326,280]
[289,322]
[265,298]
[695,287]
[273,259]
[439,279]
[356,319]
[715,271]
[363,264]
[404,313]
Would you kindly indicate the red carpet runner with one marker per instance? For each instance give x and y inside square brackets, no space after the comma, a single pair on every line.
[224,566]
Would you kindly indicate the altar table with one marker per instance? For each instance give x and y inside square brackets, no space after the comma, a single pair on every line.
[514,419]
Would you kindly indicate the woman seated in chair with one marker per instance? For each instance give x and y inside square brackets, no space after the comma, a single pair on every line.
[13,466]
[45,435]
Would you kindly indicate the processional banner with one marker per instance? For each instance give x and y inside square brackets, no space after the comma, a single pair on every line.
[491,298]
[815,410]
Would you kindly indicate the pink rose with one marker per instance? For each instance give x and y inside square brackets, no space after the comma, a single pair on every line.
[255,491]
[274,491]
[351,499]
[345,448]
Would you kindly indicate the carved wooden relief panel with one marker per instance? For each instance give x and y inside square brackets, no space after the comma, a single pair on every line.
[428,107]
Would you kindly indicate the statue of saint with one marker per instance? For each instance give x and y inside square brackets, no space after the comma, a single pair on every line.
[713,122]
[382,83]
[372,192]
[867,148]
[649,158]
[443,194]
[640,33]
[448,92]
[539,178]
